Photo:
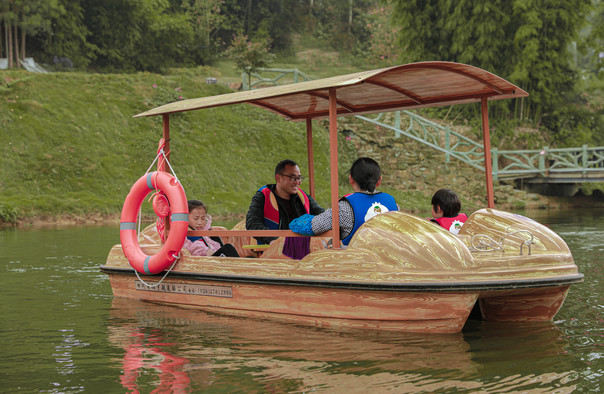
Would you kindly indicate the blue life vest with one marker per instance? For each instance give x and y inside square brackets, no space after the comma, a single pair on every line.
[366,206]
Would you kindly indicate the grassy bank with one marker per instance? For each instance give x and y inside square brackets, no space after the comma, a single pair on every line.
[72,147]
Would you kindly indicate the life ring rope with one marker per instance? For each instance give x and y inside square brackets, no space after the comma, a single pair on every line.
[162,278]
[160,154]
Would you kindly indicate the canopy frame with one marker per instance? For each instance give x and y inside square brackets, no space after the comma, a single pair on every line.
[409,86]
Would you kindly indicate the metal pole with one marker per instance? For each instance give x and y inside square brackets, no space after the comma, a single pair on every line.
[166,124]
[486,140]
[166,132]
[495,163]
[311,158]
[333,159]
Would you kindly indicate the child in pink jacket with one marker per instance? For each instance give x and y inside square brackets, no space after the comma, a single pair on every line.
[205,246]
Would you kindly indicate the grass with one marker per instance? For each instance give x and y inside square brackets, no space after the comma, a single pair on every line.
[72,146]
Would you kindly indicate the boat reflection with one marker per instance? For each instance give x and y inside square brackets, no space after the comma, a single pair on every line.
[148,354]
[176,349]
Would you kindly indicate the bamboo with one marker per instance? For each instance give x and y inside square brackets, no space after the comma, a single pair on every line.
[9,47]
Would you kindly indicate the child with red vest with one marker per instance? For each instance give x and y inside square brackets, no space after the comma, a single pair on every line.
[445,210]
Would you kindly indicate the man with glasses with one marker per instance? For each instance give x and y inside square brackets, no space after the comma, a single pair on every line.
[275,205]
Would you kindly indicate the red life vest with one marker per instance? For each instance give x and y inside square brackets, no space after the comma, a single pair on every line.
[271,208]
[453,224]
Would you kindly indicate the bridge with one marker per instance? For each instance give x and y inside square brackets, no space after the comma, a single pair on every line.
[536,169]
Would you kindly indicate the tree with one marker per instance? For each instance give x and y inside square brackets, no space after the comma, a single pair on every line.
[23,18]
[341,24]
[525,41]
[66,36]
[381,49]
[205,16]
[261,19]
[249,56]
[144,35]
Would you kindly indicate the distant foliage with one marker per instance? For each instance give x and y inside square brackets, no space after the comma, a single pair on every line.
[382,49]
[524,41]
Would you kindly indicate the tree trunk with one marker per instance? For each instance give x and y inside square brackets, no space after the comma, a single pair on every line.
[9,46]
[247,26]
[349,14]
[16,48]
[23,44]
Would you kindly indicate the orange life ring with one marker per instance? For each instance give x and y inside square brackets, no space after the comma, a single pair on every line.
[179,222]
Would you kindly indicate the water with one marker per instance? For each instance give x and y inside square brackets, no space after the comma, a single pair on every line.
[61,331]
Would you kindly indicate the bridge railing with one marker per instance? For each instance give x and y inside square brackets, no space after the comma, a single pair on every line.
[506,163]
[546,161]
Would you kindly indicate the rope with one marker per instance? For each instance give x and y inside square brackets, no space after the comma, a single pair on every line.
[160,224]
[162,157]
[164,277]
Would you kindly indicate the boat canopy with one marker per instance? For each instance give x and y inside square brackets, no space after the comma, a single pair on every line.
[409,86]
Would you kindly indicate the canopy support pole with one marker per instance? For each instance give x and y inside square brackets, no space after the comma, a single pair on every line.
[166,132]
[333,159]
[166,129]
[311,158]
[486,140]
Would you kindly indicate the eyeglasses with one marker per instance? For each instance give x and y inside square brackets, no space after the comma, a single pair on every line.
[294,178]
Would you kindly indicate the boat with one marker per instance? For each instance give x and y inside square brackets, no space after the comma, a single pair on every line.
[399,272]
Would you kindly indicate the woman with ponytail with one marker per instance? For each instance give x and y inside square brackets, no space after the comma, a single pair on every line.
[355,208]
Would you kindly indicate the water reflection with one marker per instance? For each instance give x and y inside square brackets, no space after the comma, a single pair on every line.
[206,350]
[146,357]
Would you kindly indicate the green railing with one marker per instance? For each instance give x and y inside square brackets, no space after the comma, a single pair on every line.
[543,162]
[548,162]
[441,138]
[277,76]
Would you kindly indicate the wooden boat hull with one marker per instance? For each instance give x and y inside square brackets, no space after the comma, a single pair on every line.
[320,306]
[540,304]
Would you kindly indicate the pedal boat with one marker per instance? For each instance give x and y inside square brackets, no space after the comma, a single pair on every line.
[399,272]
